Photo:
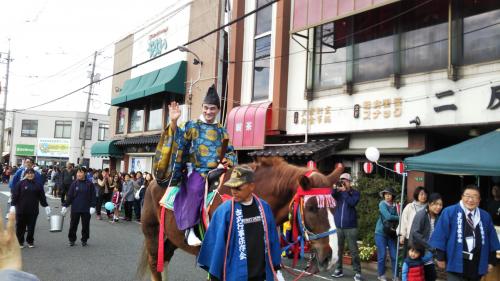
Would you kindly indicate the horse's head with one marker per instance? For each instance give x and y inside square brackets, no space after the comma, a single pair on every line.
[318,219]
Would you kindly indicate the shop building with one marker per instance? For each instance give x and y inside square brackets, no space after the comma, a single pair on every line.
[336,77]
[55,137]
[141,94]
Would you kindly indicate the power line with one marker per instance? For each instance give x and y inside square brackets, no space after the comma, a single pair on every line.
[254,11]
[155,58]
[159,21]
[31,113]
[218,29]
[79,63]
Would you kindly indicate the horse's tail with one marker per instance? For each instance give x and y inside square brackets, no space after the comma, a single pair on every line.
[143,265]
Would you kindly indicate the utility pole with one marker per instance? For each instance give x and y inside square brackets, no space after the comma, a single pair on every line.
[91,86]
[4,109]
[12,147]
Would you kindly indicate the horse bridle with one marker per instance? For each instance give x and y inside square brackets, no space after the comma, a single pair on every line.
[298,214]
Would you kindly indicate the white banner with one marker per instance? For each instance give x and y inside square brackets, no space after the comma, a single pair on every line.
[53,147]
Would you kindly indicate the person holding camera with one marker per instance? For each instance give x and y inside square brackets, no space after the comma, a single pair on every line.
[346,220]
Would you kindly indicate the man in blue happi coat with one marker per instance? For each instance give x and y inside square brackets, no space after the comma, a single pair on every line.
[465,239]
[250,249]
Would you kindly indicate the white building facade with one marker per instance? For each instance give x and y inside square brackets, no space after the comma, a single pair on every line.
[55,137]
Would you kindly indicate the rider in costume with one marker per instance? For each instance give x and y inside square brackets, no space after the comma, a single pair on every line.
[198,142]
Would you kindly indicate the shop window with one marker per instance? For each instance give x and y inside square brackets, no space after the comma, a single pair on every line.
[29,128]
[262,52]
[103,133]
[330,56]
[155,116]
[261,68]
[424,41]
[63,129]
[88,130]
[481,31]
[120,121]
[374,44]
[137,120]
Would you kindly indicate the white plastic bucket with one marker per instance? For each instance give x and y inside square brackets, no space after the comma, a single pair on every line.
[56,223]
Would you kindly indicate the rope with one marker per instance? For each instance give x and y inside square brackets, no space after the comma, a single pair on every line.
[266,235]
[303,274]
[159,260]
[228,239]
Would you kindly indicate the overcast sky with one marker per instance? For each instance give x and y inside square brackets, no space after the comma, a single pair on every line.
[53,41]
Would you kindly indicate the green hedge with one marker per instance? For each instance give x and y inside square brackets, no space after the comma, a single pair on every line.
[367,208]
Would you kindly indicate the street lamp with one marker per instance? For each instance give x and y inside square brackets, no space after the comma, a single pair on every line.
[196,61]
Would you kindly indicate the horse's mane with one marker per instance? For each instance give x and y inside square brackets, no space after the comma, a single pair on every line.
[284,174]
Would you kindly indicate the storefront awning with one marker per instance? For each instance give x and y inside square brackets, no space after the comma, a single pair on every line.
[314,150]
[139,140]
[247,125]
[169,79]
[311,13]
[105,149]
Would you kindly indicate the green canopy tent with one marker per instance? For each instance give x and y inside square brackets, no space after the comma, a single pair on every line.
[479,156]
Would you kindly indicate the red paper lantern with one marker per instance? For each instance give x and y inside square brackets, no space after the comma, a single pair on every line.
[311,165]
[368,167]
[399,167]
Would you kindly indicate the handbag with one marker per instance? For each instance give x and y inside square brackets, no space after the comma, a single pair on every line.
[137,194]
[390,228]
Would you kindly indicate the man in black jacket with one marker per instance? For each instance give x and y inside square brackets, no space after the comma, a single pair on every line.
[68,176]
[26,196]
[81,196]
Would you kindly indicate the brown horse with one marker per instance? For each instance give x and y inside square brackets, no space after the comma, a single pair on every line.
[276,182]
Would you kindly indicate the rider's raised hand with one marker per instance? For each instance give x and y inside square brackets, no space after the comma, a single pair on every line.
[174,112]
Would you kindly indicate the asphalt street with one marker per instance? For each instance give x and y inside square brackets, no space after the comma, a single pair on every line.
[112,254]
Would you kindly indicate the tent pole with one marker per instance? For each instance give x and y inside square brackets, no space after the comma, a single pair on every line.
[398,229]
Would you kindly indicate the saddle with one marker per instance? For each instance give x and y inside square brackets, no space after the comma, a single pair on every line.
[213,178]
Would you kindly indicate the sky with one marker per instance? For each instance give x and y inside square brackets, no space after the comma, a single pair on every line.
[52,43]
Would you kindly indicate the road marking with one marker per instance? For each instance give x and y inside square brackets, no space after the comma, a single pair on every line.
[7,193]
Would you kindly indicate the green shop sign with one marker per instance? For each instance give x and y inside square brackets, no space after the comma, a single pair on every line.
[25,149]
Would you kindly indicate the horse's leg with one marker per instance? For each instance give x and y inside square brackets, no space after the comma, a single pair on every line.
[169,252]
[176,236]
[150,226]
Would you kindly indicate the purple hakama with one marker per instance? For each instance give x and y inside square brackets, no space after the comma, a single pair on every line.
[187,203]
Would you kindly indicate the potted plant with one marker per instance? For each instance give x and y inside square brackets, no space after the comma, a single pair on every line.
[347,259]
[367,253]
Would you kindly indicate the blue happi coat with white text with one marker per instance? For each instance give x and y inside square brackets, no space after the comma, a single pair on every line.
[213,249]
